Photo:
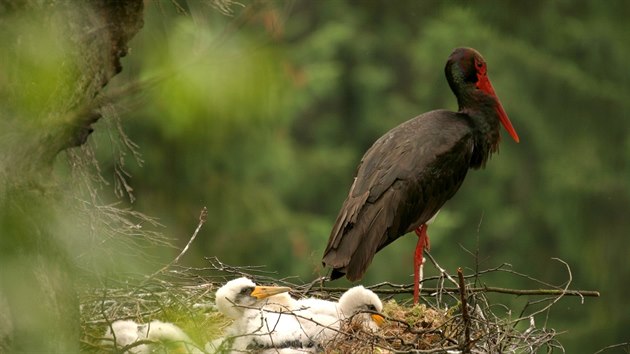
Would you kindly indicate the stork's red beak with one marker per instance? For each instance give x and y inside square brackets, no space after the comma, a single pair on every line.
[506,121]
[485,85]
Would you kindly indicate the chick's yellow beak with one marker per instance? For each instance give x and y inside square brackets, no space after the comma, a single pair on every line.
[263,292]
[378,319]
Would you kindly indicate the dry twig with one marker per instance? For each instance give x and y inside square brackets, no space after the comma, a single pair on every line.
[202,220]
[625,345]
[462,293]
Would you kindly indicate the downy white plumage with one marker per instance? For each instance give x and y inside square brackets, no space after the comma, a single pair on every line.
[156,333]
[268,319]
[123,333]
[261,317]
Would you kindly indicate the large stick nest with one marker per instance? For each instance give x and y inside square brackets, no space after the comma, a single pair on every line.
[185,297]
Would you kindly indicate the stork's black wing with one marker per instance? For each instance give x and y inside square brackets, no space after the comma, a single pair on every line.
[401,182]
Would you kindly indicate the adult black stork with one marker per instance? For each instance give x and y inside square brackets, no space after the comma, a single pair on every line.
[410,172]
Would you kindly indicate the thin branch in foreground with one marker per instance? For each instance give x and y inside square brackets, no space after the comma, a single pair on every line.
[462,293]
[442,270]
[202,220]
[520,292]
[562,293]
[203,216]
[484,289]
[625,345]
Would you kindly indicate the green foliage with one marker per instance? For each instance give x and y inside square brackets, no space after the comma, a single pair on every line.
[48,220]
[36,288]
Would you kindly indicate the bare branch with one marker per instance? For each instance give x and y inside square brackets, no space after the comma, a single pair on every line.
[404,289]
[202,220]
[625,345]
[462,293]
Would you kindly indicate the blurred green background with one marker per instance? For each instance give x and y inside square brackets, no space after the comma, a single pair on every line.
[262,114]
[268,112]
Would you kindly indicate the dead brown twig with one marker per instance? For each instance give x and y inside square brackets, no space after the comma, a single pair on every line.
[625,345]
[202,220]
[463,297]
[407,289]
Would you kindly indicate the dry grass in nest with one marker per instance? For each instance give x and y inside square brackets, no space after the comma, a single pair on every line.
[405,329]
[416,326]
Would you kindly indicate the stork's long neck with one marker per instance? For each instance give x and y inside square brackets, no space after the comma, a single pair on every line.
[482,112]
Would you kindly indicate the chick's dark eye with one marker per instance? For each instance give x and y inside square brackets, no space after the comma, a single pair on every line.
[247,291]
[371,308]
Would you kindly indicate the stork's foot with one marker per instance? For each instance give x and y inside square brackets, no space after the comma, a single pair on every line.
[423,242]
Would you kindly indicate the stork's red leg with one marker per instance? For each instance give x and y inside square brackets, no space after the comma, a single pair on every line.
[423,242]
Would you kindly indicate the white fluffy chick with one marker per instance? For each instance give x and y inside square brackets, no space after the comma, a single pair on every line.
[268,319]
[124,333]
[362,304]
[354,301]
[358,303]
[260,315]
[239,295]
[169,335]
[161,333]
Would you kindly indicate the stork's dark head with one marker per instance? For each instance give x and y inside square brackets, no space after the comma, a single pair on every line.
[461,68]
[467,75]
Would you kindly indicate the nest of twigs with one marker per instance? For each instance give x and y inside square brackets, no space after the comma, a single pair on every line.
[421,329]
[448,321]
[406,329]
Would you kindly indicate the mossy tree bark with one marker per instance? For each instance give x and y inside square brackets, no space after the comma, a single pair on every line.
[57,56]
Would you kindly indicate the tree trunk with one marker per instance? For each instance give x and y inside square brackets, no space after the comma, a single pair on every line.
[56,58]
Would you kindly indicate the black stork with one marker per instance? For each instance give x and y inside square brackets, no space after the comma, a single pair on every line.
[410,172]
